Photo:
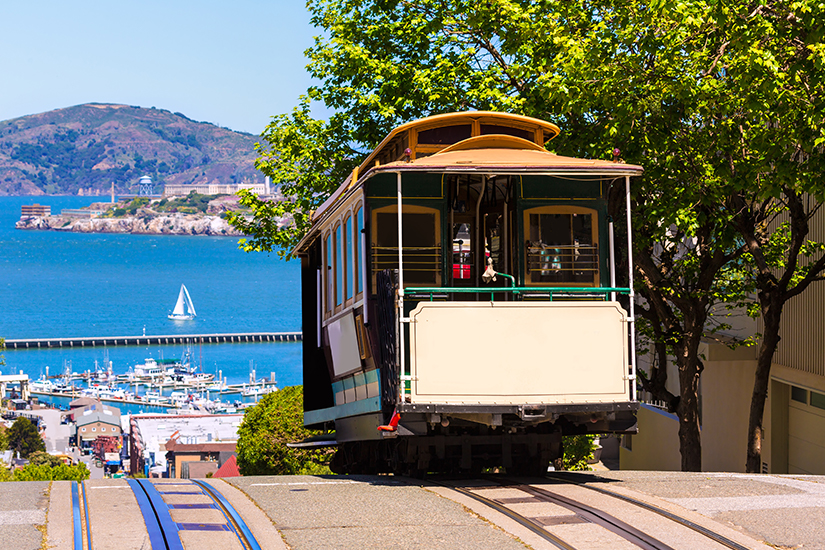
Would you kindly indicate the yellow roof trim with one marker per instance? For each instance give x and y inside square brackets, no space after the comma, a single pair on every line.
[492,141]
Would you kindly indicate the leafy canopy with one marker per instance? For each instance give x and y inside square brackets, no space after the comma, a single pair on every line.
[720,100]
[23,438]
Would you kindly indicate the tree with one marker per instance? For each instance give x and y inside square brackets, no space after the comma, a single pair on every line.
[24,439]
[267,427]
[688,89]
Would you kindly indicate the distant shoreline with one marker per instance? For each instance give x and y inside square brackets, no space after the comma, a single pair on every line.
[168,224]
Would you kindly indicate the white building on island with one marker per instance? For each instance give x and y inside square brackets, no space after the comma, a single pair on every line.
[215,188]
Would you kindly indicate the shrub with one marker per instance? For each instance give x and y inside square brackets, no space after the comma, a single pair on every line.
[578,449]
[267,427]
[60,472]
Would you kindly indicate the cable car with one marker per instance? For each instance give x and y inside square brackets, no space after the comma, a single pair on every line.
[460,304]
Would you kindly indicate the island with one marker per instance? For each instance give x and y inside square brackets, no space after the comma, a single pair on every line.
[192,214]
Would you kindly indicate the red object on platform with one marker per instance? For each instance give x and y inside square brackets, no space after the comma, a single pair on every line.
[393,425]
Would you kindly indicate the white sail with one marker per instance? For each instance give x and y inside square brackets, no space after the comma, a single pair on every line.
[184,310]
[190,307]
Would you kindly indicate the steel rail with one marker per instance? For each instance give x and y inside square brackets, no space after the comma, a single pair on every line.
[157,539]
[721,539]
[86,513]
[515,516]
[599,517]
[241,530]
[76,521]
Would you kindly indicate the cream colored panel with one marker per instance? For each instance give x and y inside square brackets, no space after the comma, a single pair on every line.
[517,352]
[806,440]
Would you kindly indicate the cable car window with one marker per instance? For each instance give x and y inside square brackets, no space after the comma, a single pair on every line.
[349,287]
[328,272]
[446,135]
[562,246]
[529,135]
[422,250]
[340,267]
[359,253]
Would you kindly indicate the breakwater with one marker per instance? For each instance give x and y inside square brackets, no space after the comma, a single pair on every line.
[143,340]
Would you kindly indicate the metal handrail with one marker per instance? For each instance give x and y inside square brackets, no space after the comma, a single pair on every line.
[515,290]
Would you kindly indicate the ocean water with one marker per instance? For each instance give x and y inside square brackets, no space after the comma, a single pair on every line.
[55,284]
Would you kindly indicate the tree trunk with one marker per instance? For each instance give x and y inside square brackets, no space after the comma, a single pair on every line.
[772,303]
[690,368]
[690,438]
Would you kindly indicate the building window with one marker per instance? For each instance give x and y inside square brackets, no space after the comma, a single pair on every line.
[83,429]
[562,245]
[94,429]
[799,394]
[817,400]
[103,428]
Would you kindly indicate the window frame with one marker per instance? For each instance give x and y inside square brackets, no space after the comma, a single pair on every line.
[408,209]
[338,301]
[358,257]
[349,258]
[560,209]
[328,276]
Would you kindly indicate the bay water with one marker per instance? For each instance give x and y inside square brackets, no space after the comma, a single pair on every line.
[62,284]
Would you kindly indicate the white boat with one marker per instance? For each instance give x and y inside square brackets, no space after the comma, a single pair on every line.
[184,309]
[149,369]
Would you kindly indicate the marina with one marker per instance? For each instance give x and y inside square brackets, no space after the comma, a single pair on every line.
[165,383]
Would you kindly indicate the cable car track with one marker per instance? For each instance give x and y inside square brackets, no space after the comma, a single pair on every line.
[162,529]
[583,513]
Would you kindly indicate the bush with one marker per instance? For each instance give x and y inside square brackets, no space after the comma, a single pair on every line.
[267,427]
[578,449]
[60,472]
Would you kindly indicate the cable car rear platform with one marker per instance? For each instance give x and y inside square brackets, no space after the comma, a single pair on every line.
[362,512]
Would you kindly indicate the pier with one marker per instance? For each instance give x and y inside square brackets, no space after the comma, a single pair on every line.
[143,340]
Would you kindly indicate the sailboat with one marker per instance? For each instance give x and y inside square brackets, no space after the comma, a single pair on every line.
[184,309]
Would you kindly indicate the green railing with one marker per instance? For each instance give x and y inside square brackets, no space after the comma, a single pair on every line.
[519,290]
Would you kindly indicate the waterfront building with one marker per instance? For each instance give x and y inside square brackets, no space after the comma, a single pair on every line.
[81,213]
[29,210]
[216,188]
[95,422]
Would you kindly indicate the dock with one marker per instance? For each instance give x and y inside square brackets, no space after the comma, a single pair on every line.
[143,340]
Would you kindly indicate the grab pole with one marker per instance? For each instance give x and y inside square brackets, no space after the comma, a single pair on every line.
[632,297]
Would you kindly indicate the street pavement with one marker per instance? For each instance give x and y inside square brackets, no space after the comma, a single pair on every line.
[23,514]
[385,512]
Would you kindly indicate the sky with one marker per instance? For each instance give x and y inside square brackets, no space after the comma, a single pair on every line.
[232,63]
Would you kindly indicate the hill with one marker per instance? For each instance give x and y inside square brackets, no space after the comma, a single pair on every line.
[83,149]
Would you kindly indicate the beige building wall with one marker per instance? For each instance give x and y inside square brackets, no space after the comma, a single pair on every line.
[727,386]
[94,429]
[656,446]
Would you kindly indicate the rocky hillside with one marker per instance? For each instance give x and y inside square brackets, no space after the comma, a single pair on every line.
[83,149]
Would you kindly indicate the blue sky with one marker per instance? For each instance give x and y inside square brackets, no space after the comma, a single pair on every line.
[233,63]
